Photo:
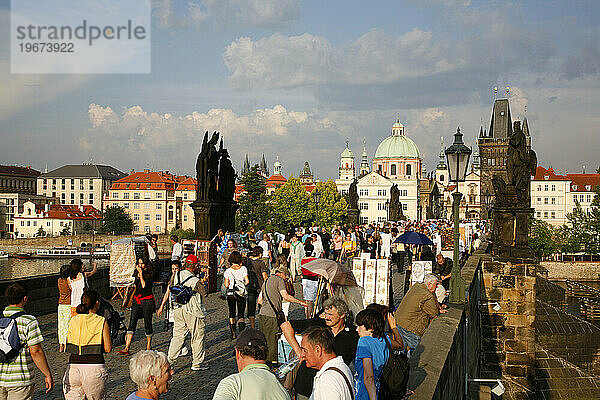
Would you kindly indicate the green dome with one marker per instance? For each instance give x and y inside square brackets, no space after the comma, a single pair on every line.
[397,146]
[347,153]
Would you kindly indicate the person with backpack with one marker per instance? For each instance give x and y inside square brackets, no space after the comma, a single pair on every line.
[372,353]
[235,279]
[257,275]
[78,282]
[20,332]
[87,341]
[188,292]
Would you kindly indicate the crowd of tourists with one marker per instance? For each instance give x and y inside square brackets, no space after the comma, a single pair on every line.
[339,355]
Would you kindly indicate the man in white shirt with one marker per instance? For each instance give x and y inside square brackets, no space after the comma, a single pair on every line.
[177,253]
[266,255]
[334,380]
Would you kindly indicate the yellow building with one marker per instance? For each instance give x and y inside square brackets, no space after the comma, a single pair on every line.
[52,219]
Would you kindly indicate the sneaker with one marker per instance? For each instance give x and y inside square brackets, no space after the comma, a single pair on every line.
[183,352]
[201,367]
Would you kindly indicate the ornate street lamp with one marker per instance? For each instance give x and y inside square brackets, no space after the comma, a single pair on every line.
[457,156]
[316,198]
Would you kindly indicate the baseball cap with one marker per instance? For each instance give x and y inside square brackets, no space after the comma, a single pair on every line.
[192,259]
[251,337]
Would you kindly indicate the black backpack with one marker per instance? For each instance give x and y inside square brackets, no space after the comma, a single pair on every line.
[182,294]
[394,378]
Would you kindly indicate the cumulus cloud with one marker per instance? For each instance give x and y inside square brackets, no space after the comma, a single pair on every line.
[227,14]
[414,69]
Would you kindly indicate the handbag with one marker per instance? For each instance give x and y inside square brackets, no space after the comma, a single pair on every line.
[280,315]
[128,300]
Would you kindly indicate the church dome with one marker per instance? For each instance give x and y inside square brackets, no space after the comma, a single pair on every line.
[398,145]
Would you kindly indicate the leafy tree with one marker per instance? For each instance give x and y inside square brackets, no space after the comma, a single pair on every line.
[542,238]
[253,210]
[66,231]
[333,208]
[292,205]
[183,233]
[87,227]
[41,232]
[116,220]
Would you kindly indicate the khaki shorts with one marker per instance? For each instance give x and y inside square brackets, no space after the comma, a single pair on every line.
[16,393]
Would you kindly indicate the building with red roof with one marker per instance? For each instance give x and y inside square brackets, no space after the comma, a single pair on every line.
[157,201]
[53,219]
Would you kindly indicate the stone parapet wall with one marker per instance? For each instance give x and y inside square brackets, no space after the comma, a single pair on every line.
[42,291]
[571,270]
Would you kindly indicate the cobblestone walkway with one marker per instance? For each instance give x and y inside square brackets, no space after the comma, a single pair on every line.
[186,384]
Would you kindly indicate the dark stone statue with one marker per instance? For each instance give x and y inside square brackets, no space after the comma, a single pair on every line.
[520,165]
[226,176]
[353,195]
[207,168]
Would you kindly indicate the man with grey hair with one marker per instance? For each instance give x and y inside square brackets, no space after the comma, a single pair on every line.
[151,372]
[416,310]
[336,317]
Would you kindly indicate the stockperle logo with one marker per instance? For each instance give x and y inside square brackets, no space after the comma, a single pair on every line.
[79,36]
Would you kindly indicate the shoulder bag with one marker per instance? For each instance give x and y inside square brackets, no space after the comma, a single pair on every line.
[279,314]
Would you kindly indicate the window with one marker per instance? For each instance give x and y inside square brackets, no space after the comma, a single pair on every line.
[553,188]
[72,198]
[393,169]
[136,228]
[81,196]
[22,223]
[381,192]
[136,206]
[185,217]
[146,217]
[48,223]
[538,214]
[539,199]
[404,192]
[147,228]
[364,220]
[581,198]
[158,217]
[404,207]
[575,198]
[553,200]
[72,184]
[363,206]
[545,214]
[45,184]
[159,195]
[136,217]
[62,184]
[115,195]
[147,206]
[158,206]
[62,197]
[91,184]
[539,188]
[61,223]
[408,169]
[81,184]
[125,195]
[126,205]
[441,178]
[158,228]
[136,196]
[545,200]
[91,197]
[380,206]
[381,219]
[553,214]
[185,196]
[147,195]
[34,223]
[545,188]
[363,192]
[589,198]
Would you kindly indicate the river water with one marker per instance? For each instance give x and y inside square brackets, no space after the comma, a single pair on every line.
[13,268]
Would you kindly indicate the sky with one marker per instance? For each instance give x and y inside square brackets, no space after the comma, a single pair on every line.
[296,79]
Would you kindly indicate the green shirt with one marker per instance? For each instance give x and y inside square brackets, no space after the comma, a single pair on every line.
[255,382]
[20,371]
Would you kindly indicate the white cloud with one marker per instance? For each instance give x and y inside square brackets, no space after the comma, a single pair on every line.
[227,14]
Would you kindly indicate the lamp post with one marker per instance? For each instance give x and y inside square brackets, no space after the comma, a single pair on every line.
[457,157]
[317,198]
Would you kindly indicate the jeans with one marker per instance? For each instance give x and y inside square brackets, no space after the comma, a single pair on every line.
[411,340]
[143,310]
[251,300]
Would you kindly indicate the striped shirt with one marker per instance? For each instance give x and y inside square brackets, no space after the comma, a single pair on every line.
[20,371]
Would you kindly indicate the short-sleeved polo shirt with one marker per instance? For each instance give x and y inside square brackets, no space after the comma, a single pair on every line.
[20,371]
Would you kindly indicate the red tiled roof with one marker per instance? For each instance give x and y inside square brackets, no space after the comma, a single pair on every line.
[584,182]
[187,184]
[149,180]
[67,211]
[275,180]
[541,173]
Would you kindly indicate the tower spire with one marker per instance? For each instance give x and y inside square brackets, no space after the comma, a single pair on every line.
[442,162]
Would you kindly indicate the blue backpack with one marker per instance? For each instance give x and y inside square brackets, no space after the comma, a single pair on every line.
[182,294]
[10,343]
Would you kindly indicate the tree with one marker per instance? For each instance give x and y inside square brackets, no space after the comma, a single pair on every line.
[41,232]
[66,230]
[333,208]
[87,227]
[542,238]
[253,209]
[116,220]
[183,233]
[291,205]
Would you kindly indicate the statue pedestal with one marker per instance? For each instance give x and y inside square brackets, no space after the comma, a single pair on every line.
[510,233]
[353,217]
[212,216]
